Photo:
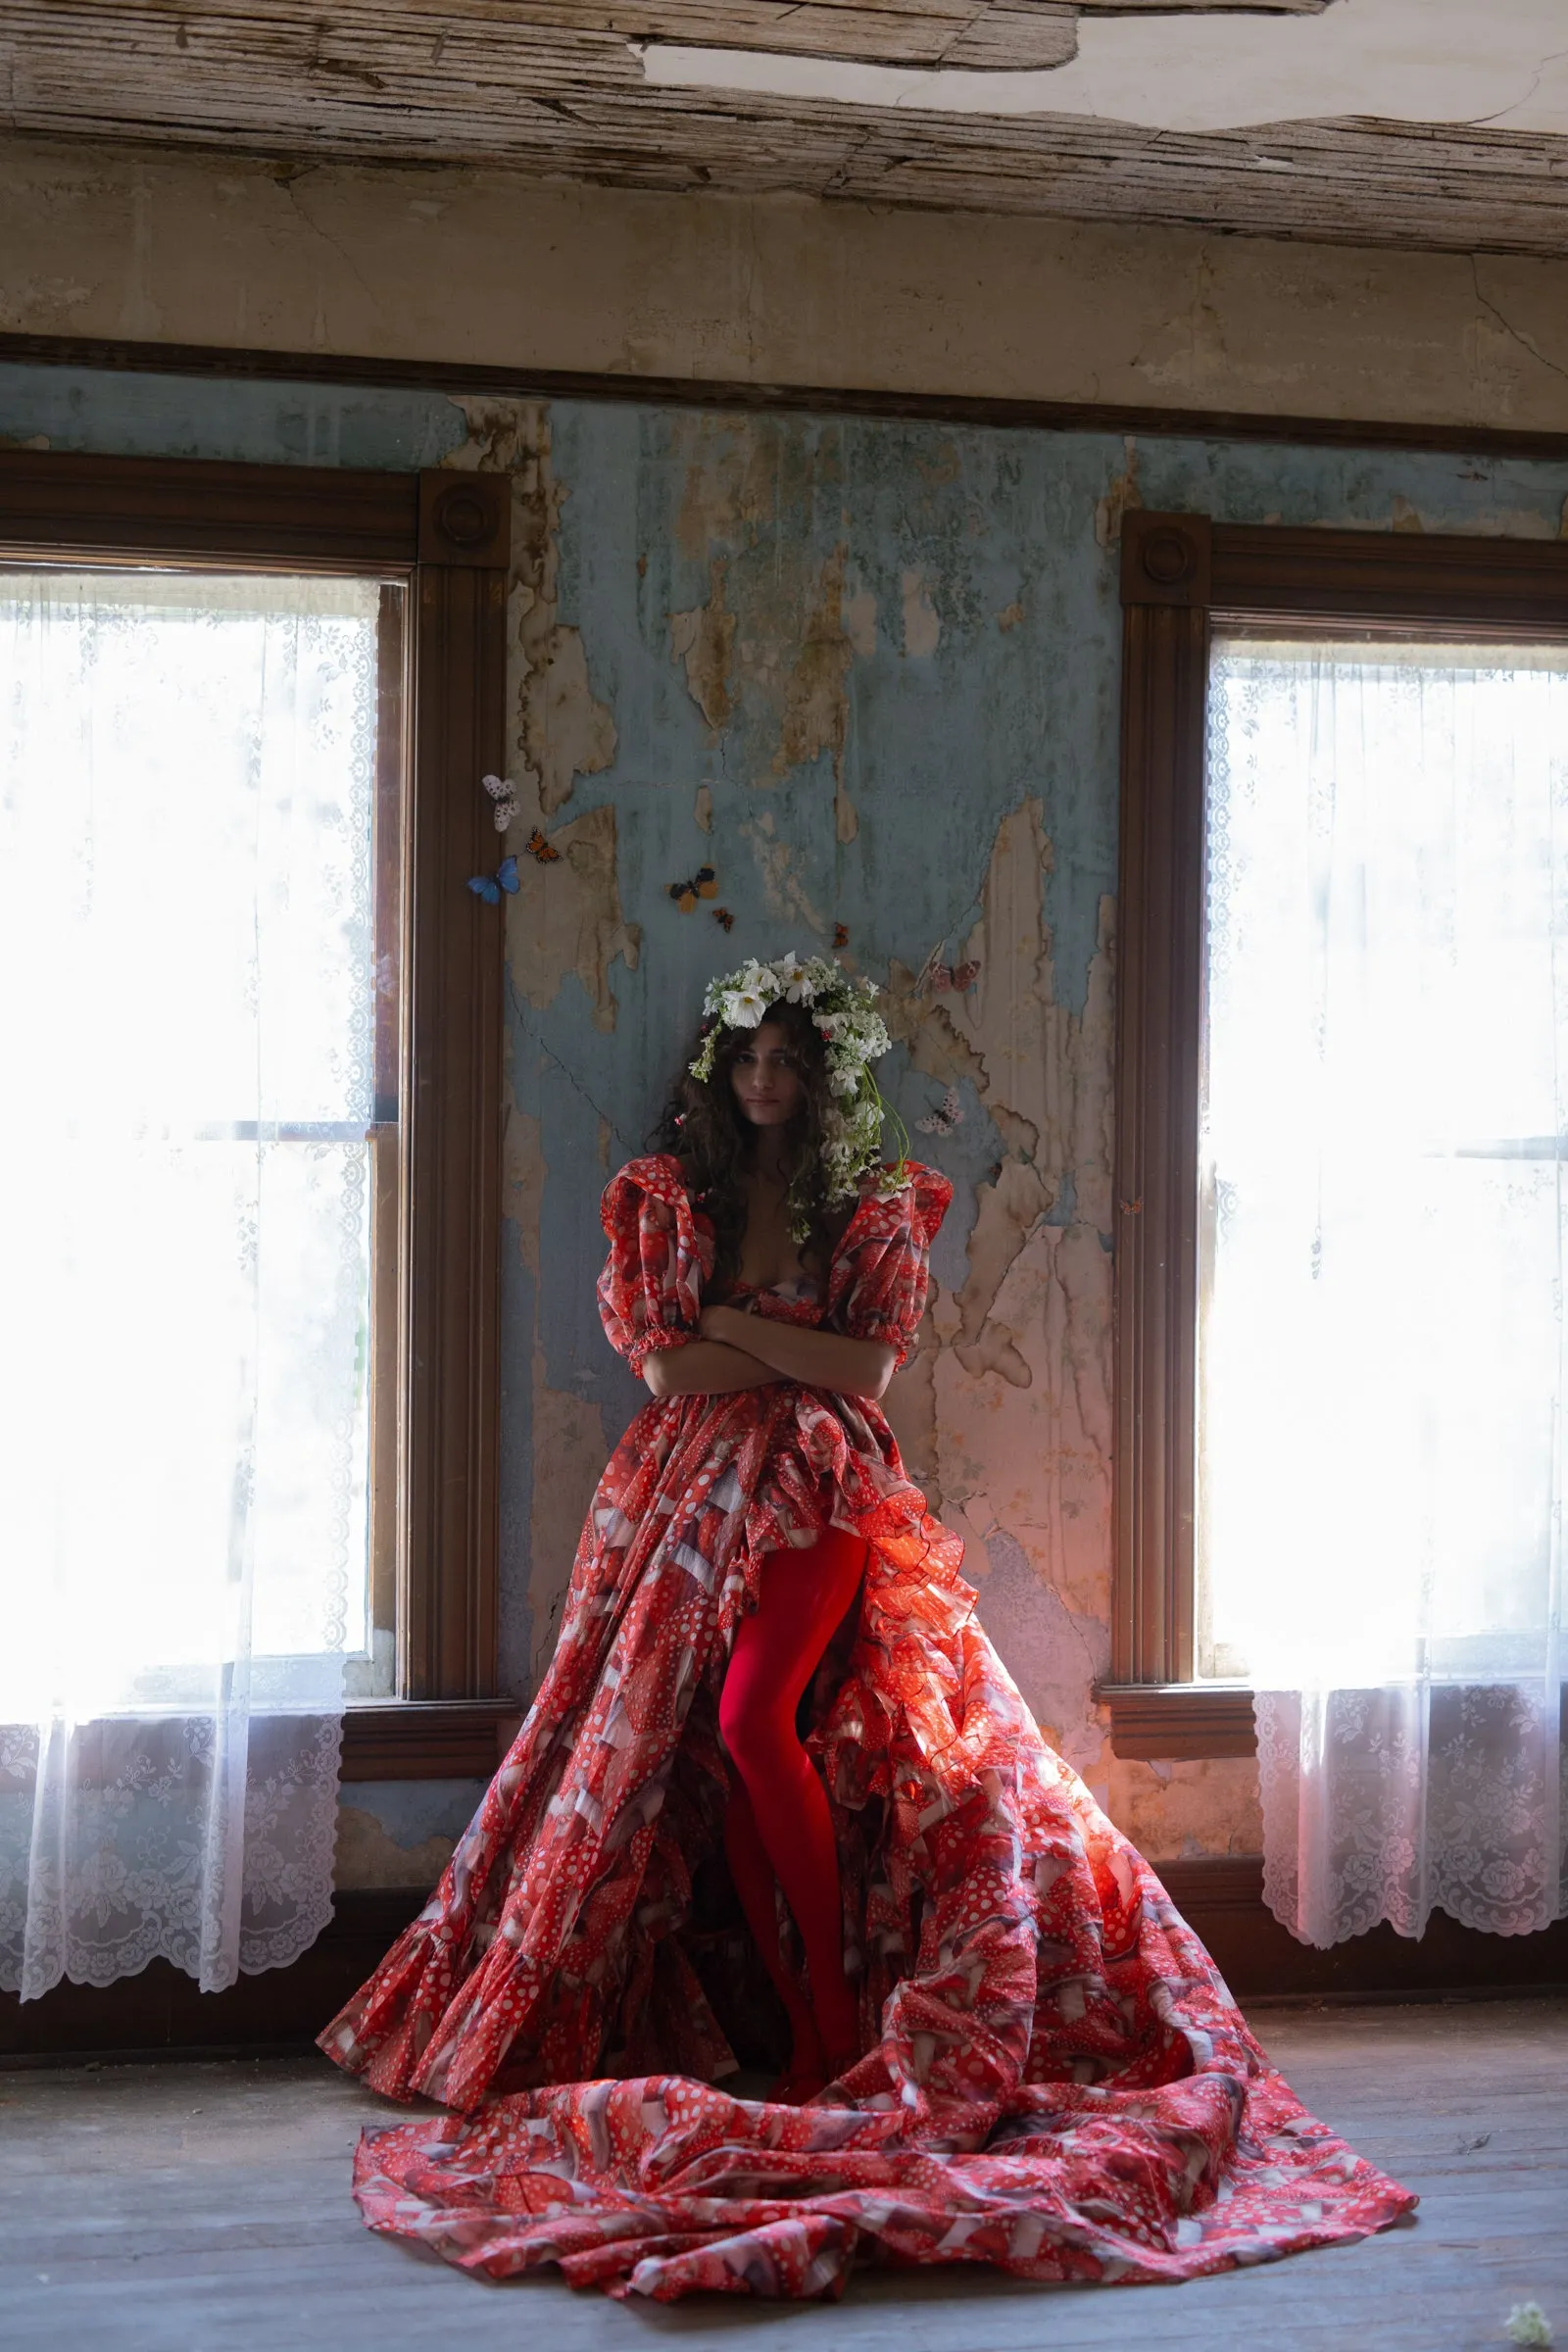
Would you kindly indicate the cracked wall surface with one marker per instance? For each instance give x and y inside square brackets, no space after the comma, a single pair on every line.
[870,672]
[477,267]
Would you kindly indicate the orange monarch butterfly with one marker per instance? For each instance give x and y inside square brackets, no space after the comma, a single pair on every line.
[544,851]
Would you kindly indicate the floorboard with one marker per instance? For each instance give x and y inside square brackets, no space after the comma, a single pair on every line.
[204,2207]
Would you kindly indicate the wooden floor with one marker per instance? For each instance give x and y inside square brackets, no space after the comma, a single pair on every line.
[204,2207]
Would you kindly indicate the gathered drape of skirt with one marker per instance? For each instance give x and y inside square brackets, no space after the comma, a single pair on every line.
[1055,2080]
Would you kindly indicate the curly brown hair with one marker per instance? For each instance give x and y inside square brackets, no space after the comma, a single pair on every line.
[707,1132]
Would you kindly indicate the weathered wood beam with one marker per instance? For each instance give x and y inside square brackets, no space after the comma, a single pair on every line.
[471,83]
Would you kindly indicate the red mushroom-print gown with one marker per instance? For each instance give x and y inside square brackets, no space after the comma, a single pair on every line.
[1055,2078]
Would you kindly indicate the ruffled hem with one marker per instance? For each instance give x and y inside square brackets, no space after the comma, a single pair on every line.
[664,2188]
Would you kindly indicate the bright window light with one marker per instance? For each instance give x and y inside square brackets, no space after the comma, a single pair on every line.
[186,769]
[1382,1202]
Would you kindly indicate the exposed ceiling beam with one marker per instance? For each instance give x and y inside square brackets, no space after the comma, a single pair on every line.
[529,84]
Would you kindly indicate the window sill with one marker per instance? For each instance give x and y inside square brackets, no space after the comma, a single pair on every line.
[1177,1722]
[427,1739]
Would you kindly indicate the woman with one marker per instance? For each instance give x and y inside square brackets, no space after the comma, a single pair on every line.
[1029,2058]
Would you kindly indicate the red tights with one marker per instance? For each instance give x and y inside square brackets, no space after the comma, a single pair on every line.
[777,1824]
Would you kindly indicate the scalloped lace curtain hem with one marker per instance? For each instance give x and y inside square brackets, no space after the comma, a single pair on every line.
[208,1844]
[1387,1805]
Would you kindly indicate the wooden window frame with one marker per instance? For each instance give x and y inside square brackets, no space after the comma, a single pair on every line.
[445,536]
[1181,574]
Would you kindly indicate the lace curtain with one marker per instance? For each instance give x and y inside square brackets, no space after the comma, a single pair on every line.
[1382,1347]
[186,1063]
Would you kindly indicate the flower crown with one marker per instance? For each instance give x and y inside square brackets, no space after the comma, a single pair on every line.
[853,1033]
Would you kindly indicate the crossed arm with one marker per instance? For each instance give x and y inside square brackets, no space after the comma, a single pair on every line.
[737,1350]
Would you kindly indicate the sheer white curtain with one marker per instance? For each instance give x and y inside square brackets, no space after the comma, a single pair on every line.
[1382,1341]
[185,1069]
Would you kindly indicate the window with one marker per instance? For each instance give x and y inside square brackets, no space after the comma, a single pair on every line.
[247,996]
[1380,1230]
[1431,677]
[189,958]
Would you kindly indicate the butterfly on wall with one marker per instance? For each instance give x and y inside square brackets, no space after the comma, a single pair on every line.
[545,852]
[841,935]
[503,792]
[703,884]
[723,917]
[958,976]
[490,886]
[940,977]
[948,1114]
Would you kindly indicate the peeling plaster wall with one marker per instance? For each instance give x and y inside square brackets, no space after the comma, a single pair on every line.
[400,1833]
[869,674]
[868,671]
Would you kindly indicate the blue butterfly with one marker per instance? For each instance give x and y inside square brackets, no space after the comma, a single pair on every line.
[490,886]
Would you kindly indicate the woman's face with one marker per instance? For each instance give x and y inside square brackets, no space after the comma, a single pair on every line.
[765,1074]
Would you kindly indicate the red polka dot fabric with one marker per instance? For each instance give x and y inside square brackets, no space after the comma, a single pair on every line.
[1055,2079]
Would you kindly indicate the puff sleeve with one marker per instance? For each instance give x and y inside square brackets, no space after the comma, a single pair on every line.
[881,1269]
[651,1291]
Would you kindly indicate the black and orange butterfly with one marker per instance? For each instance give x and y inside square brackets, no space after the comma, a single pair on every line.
[544,851]
[722,915]
[703,884]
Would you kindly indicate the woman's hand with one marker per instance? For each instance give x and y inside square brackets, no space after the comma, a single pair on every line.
[724,1324]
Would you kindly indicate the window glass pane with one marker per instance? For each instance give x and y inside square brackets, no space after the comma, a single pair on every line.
[188,772]
[1381,1213]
